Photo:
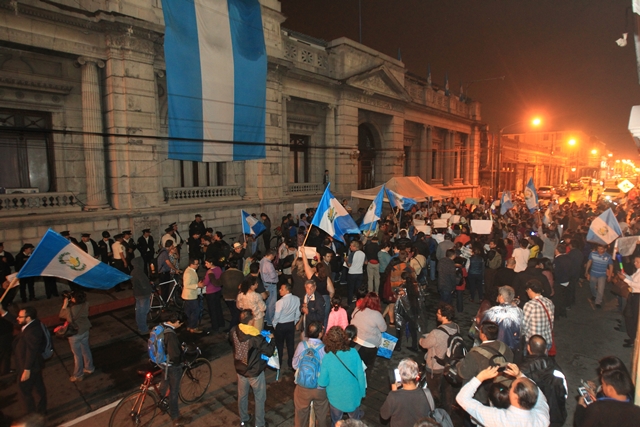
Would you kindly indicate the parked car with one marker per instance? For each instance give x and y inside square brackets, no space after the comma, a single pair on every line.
[611,194]
[546,192]
[561,190]
[574,185]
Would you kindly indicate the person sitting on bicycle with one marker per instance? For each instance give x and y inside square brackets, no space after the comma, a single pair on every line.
[171,380]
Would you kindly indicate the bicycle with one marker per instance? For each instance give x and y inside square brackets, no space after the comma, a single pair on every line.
[158,304]
[140,407]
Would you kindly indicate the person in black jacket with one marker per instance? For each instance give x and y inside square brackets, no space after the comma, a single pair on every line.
[28,361]
[313,304]
[197,226]
[147,248]
[562,278]
[27,282]
[248,348]
[171,380]
[532,272]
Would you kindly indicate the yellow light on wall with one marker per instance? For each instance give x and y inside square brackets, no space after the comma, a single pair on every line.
[594,151]
[572,142]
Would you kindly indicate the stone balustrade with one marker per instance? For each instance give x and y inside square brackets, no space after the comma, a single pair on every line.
[178,195]
[306,188]
[38,203]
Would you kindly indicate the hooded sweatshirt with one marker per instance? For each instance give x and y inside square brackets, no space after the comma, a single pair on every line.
[248,347]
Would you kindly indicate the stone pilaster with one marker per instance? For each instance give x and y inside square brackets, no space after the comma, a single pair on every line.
[466,168]
[92,129]
[422,153]
[330,141]
[284,159]
[429,156]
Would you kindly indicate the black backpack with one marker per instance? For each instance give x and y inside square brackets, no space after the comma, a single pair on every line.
[456,351]
[551,381]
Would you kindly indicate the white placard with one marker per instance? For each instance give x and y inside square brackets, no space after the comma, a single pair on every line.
[418,222]
[446,215]
[440,223]
[309,251]
[454,219]
[424,228]
[481,226]
[438,238]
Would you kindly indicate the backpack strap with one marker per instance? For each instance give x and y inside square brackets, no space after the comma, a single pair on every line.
[489,352]
[346,367]
[429,397]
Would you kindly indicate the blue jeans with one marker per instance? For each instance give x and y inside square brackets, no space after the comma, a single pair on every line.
[353,282]
[597,287]
[172,382]
[192,311]
[272,288]
[259,386]
[474,284]
[82,358]
[432,273]
[446,295]
[142,309]
[336,414]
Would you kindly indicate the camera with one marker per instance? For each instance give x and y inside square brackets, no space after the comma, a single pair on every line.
[67,294]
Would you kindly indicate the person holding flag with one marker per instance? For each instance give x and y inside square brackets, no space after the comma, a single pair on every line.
[531,196]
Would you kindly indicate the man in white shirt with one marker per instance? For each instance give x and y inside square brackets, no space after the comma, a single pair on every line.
[521,255]
[633,302]
[284,321]
[528,406]
[190,291]
[354,278]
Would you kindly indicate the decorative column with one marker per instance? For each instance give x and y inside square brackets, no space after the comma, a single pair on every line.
[422,155]
[448,155]
[429,157]
[92,129]
[285,145]
[330,143]
[466,168]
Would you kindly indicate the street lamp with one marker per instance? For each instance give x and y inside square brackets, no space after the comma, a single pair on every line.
[536,121]
[594,151]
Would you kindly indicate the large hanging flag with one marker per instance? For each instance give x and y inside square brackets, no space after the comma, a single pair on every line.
[216,78]
[333,218]
[398,201]
[531,195]
[505,202]
[56,256]
[251,225]
[373,214]
[604,229]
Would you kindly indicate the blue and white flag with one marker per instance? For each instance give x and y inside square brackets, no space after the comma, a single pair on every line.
[333,218]
[531,195]
[251,225]
[56,256]
[505,202]
[373,214]
[216,79]
[604,229]
[398,201]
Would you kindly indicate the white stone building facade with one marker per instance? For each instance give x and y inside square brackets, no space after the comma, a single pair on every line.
[83,121]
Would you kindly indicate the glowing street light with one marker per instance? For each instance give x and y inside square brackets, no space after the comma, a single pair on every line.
[572,141]
[594,151]
[610,154]
[536,122]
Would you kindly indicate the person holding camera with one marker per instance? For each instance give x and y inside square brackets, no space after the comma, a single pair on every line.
[405,405]
[75,310]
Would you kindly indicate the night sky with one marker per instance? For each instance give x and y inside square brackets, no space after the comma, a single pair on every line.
[559,57]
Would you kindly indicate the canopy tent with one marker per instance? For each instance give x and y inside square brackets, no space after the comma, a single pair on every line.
[406,186]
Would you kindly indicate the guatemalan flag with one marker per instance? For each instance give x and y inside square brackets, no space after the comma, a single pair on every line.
[604,229]
[251,225]
[216,78]
[56,256]
[505,202]
[370,221]
[531,195]
[333,218]
[398,201]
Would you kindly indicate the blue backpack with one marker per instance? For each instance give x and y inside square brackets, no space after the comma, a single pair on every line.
[156,345]
[309,367]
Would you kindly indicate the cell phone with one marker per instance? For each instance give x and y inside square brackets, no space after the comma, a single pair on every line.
[502,368]
[585,394]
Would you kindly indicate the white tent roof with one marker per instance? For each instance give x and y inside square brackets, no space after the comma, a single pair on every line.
[406,186]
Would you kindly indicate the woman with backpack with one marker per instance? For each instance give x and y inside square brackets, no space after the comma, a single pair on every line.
[342,376]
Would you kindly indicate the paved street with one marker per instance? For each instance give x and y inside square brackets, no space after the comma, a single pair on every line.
[119,351]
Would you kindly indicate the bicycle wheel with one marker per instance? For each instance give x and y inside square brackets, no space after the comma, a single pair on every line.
[155,308]
[137,409]
[195,380]
[177,297]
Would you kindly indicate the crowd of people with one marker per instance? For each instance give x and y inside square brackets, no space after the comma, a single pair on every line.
[339,298]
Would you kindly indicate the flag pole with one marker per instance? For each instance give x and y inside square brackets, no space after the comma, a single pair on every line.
[307,236]
[11,285]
